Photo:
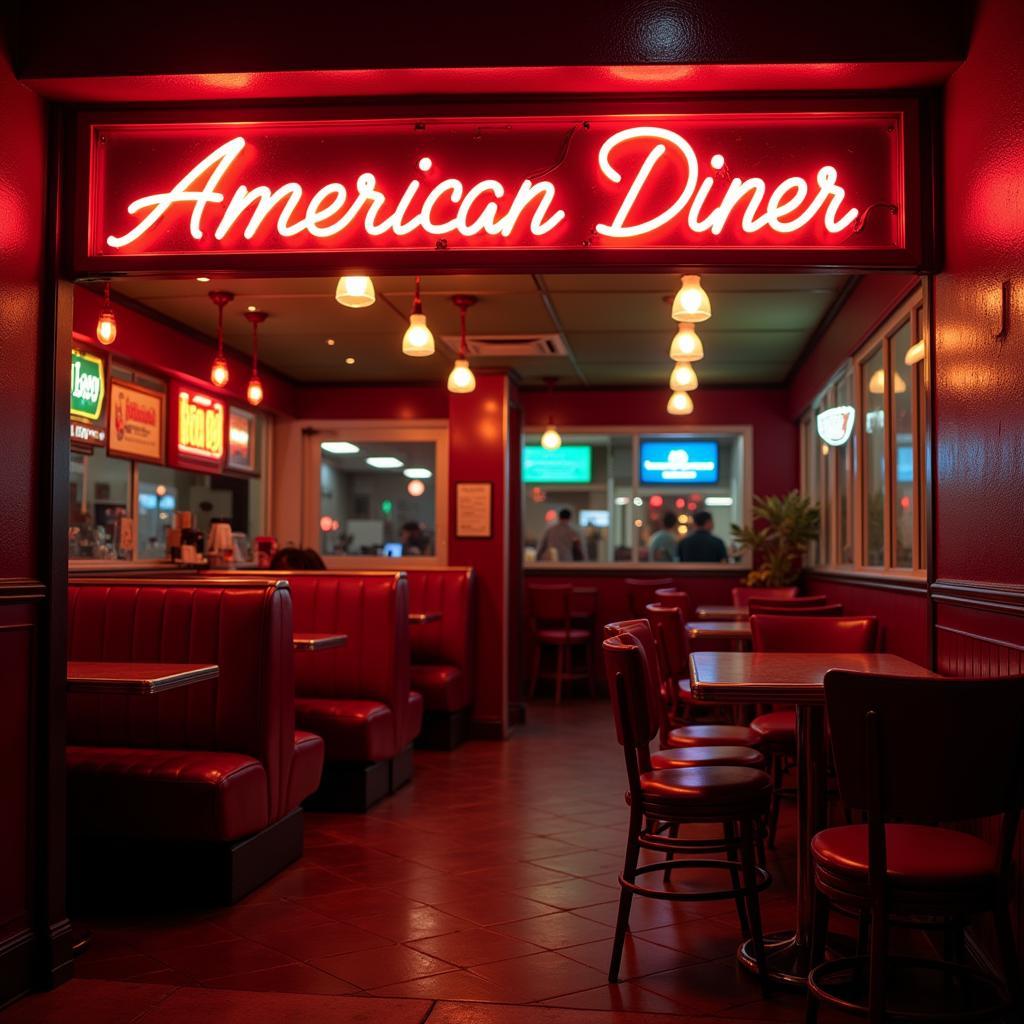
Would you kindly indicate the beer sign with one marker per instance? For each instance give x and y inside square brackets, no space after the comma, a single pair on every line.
[88,390]
[199,430]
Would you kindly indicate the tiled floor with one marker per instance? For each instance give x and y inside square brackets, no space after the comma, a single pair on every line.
[491,879]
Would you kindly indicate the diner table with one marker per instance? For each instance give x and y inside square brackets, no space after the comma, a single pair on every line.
[790,678]
[135,677]
[722,611]
[719,629]
[318,641]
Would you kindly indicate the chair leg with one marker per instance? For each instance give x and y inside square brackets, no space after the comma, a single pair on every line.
[535,673]
[819,937]
[625,897]
[1008,954]
[747,829]
[732,850]
[778,778]
[878,960]
[673,832]
[589,648]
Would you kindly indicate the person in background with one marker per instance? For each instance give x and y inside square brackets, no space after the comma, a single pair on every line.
[663,543]
[292,559]
[700,544]
[414,539]
[561,538]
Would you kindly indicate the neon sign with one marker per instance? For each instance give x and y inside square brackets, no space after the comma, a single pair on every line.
[200,435]
[797,182]
[836,425]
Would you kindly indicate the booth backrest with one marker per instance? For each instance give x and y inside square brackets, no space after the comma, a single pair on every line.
[448,641]
[245,628]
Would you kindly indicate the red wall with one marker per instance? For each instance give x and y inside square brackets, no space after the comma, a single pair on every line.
[369,402]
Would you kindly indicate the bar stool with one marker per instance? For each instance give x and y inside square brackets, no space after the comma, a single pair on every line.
[640,593]
[734,797]
[551,609]
[776,730]
[911,752]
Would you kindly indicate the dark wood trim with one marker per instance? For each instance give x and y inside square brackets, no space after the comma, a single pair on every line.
[918,587]
[1008,599]
[16,956]
[979,637]
[21,591]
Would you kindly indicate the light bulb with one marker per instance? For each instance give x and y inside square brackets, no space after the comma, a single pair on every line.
[551,439]
[680,403]
[106,327]
[416,488]
[686,345]
[254,392]
[355,292]
[683,378]
[418,341]
[219,372]
[461,380]
[915,354]
[876,384]
[691,304]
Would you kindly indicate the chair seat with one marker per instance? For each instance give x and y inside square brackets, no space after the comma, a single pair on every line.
[444,687]
[917,857]
[562,636]
[707,757]
[353,730]
[705,788]
[307,767]
[776,727]
[152,793]
[712,736]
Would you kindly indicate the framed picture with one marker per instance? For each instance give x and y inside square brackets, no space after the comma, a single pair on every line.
[474,511]
[241,441]
[136,429]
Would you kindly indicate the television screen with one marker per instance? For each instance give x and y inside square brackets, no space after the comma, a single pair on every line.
[598,517]
[570,464]
[904,464]
[678,462]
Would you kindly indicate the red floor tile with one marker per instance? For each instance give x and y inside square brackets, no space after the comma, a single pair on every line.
[477,946]
[571,893]
[452,985]
[119,968]
[639,957]
[327,939]
[389,965]
[87,1002]
[540,976]
[268,918]
[223,958]
[408,925]
[287,978]
[496,908]
[554,931]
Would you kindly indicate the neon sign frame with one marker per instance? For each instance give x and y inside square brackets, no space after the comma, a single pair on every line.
[757,185]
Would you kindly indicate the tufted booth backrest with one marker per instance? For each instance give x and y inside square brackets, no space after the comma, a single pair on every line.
[245,628]
[449,641]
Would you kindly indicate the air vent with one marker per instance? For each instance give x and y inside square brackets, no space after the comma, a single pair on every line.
[508,346]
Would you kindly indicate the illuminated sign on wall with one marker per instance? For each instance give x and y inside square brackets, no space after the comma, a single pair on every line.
[136,422]
[836,425]
[241,440]
[88,391]
[797,181]
[200,428]
[678,462]
[570,464]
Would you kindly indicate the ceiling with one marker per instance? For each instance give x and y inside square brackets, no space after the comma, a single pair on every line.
[615,328]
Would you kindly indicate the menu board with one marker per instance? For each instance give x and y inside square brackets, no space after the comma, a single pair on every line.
[473,510]
[241,440]
[136,422]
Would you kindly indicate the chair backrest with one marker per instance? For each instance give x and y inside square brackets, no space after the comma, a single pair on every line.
[449,640]
[677,598]
[642,634]
[808,601]
[741,595]
[669,627]
[640,593]
[800,633]
[928,750]
[244,627]
[770,608]
[550,604]
[626,666]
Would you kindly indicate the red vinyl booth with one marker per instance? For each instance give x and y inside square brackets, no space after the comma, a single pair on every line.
[442,652]
[214,769]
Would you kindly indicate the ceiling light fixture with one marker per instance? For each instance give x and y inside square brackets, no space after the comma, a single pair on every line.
[461,380]
[203,280]
[330,342]
[416,488]
[219,374]
[915,354]
[876,384]
[384,462]
[551,439]
[417,473]
[106,325]
[355,292]
[691,304]
[350,360]
[254,389]
[686,345]
[683,378]
[339,447]
[417,340]
[680,403]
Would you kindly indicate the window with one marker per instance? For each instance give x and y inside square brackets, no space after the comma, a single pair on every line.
[870,483]
[99,497]
[630,497]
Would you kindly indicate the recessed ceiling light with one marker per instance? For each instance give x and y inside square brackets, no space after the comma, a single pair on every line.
[417,473]
[330,341]
[339,447]
[203,280]
[384,462]
[252,309]
[350,360]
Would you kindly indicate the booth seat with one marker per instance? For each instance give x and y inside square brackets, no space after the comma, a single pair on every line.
[210,775]
[357,697]
[442,652]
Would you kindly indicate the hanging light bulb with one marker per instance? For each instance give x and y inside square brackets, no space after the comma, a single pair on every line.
[683,378]
[106,324]
[417,340]
[254,390]
[686,345]
[461,380]
[876,383]
[551,439]
[680,403]
[219,374]
[691,304]
[355,292]
[915,354]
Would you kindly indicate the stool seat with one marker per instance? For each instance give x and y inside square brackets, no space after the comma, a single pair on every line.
[712,736]
[707,757]
[776,727]
[917,856]
[706,786]
[564,636]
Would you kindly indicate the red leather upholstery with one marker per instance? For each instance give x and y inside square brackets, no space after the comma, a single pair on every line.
[442,651]
[186,763]
[742,595]
[800,633]
[776,727]
[711,736]
[307,767]
[706,786]
[562,636]
[352,730]
[413,720]
[707,757]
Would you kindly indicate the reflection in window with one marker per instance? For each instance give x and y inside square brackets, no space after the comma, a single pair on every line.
[904,402]
[378,498]
[843,457]
[873,403]
[98,499]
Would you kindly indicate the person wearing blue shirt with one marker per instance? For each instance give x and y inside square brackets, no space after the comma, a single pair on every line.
[662,546]
[700,544]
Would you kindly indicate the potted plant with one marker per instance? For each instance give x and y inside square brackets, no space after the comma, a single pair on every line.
[783,530]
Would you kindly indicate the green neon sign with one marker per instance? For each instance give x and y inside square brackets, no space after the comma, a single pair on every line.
[87,385]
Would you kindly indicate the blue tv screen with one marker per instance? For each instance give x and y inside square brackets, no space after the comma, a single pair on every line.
[678,462]
[570,464]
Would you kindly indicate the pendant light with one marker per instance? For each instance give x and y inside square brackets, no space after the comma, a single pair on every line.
[254,390]
[106,325]
[680,403]
[691,304]
[461,380]
[219,374]
[686,345]
[915,354]
[551,439]
[355,292]
[417,340]
[876,383]
[683,378]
